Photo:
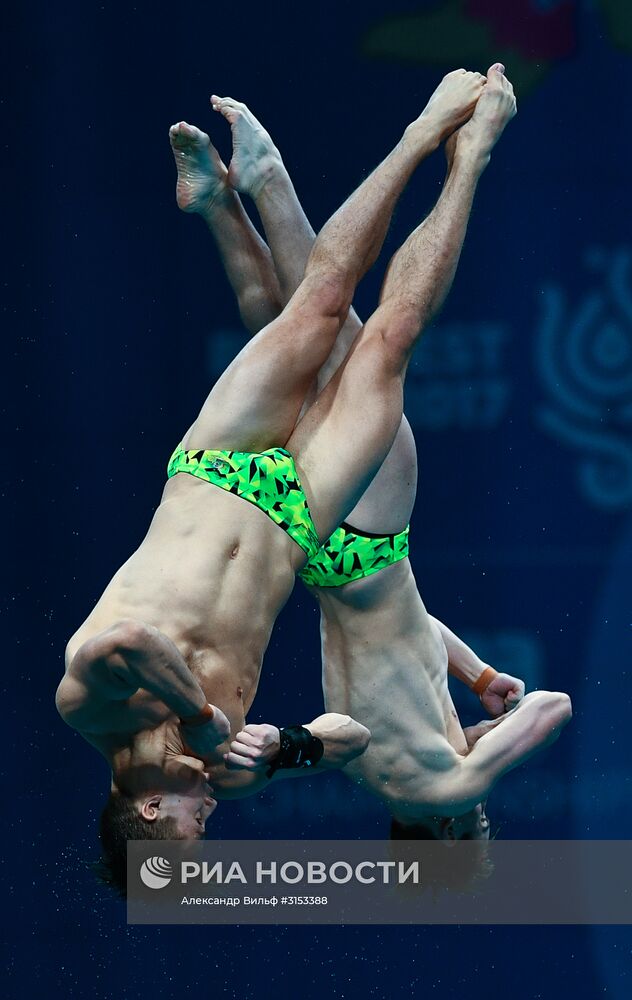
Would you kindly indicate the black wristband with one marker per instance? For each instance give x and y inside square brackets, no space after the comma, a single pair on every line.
[298,749]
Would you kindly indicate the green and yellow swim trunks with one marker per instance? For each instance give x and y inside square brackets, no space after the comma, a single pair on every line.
[268,479]
[351,554]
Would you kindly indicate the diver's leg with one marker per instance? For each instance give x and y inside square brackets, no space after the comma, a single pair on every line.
[257,170]
[202,188]
[343,438]
[255,403]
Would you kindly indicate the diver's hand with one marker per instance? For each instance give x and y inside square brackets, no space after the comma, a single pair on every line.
[473,733]
[254,748]
[202,741]
[502,694]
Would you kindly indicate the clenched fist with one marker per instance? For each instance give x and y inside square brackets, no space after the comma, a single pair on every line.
[254,748]
[202,741]
[502,694]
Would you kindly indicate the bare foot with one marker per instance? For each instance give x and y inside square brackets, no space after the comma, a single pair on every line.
[255,157]
[202,176]
[452,103]
[495,109]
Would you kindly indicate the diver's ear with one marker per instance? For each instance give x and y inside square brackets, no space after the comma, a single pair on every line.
[447,832]
[150,808]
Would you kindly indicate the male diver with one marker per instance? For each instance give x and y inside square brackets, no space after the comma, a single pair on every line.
[161,674]
[385,659]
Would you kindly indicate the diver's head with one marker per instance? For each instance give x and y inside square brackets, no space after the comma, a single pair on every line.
[170,804]
[472,825]
[466,865]
[182,794]
[189,811]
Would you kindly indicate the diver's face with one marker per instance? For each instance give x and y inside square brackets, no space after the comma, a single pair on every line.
[186,796]
[190,810]
[473,825]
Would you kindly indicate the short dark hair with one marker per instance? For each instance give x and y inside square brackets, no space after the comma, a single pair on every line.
[121,821]
[462,870]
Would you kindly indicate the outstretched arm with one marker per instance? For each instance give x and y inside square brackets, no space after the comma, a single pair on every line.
[499,745]
[498,692]
[107,670]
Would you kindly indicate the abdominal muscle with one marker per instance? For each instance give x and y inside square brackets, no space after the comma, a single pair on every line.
[385,664]
[212,574]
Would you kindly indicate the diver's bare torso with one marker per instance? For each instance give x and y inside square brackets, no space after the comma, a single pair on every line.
[212,574]
[385,662]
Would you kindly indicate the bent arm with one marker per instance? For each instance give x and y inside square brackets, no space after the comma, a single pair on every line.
[512,739]
[463,663]
[256,746]
[500,692]
[343,739]
[109,668]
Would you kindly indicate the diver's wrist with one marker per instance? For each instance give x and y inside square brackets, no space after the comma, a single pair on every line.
[483,680]
[298,748]
[206,714]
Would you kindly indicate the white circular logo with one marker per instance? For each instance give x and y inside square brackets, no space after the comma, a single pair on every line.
[156,873]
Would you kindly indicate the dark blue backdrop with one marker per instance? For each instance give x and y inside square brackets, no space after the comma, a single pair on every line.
[117,318]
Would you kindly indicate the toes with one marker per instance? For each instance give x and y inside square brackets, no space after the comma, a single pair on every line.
[178,134]
[226,102]
[185,136]
[230,109]
[180,128]
[497,70]
[218,104]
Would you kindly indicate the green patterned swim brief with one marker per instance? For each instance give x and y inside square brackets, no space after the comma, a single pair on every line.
[268,479]
[350,554]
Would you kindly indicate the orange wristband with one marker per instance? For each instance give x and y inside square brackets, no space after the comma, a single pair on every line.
[200,718]
[482,683]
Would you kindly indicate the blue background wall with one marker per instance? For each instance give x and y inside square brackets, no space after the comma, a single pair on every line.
[117,319]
